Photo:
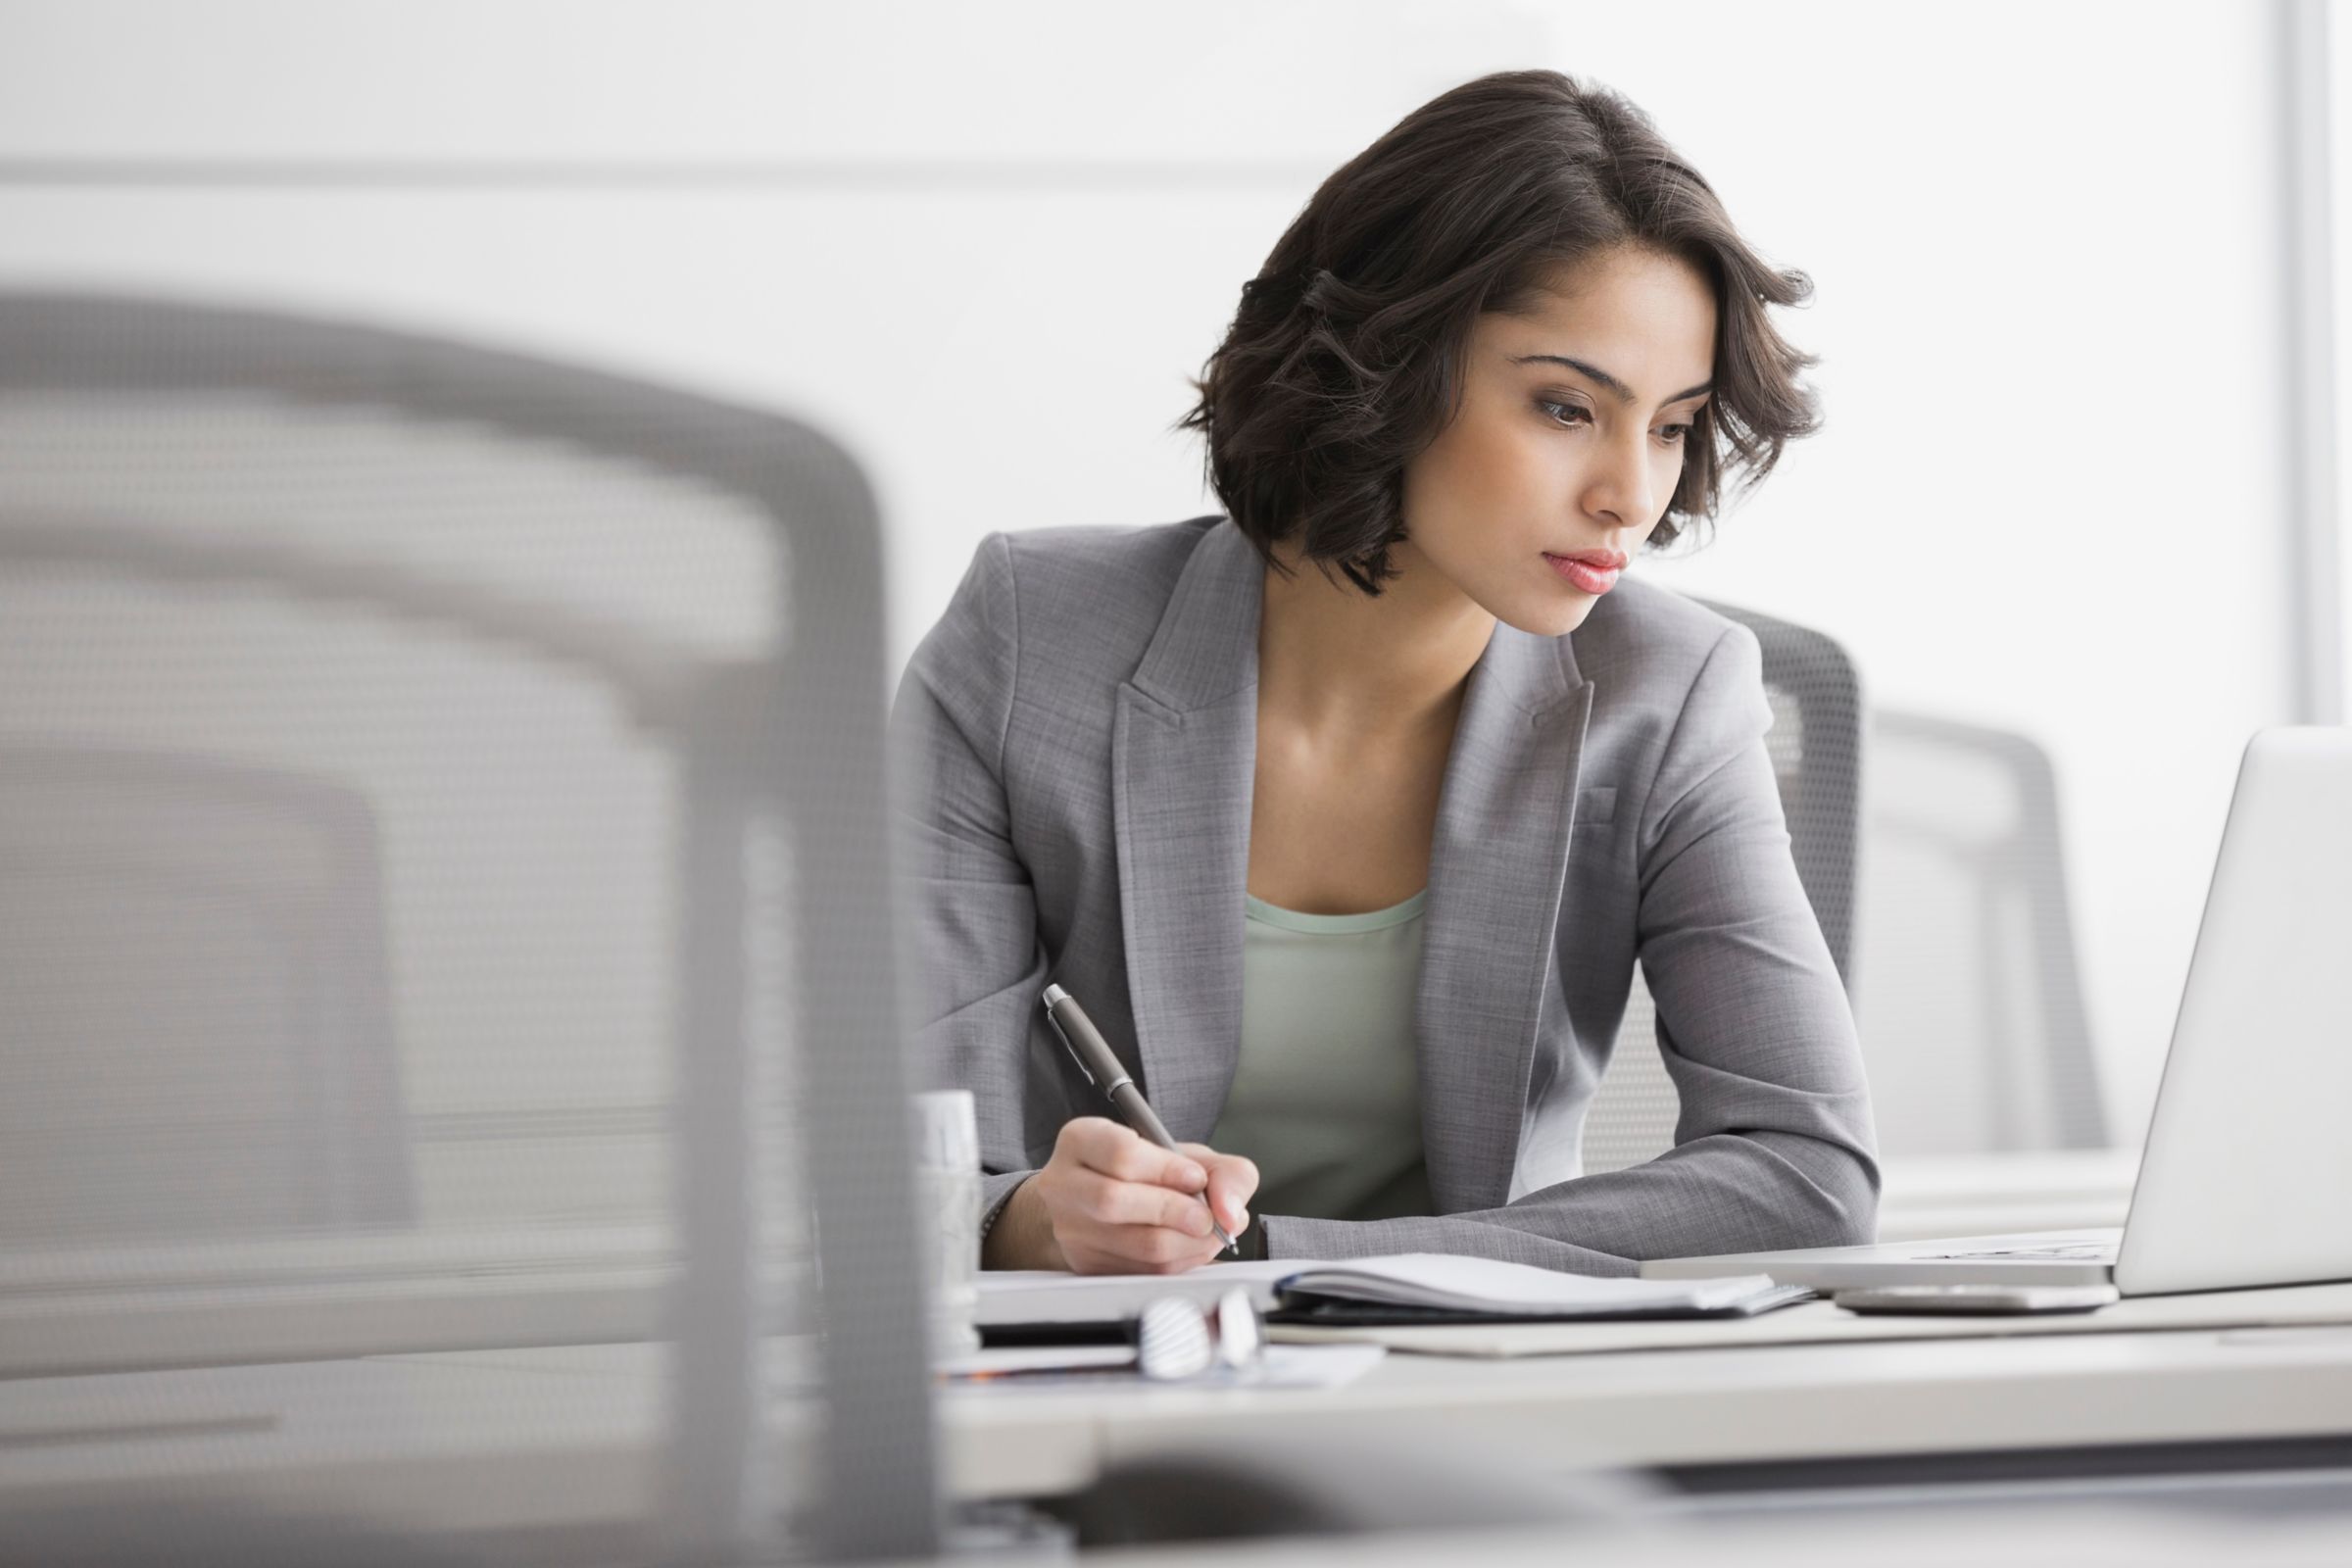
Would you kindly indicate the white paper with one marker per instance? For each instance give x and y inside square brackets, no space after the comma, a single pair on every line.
[1485,1285]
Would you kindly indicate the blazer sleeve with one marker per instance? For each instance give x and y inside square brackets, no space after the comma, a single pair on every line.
[1774,1147]
[965,893]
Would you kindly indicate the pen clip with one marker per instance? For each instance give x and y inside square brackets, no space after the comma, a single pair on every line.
[1068,1047]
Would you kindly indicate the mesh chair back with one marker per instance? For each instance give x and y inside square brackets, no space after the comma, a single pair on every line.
[122,935]
[1974,1022]
[1816,747]
[458,787]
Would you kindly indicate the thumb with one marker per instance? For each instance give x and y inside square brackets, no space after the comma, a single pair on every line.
[1232,1184]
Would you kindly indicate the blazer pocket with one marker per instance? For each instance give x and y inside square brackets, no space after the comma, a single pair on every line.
[1597,807]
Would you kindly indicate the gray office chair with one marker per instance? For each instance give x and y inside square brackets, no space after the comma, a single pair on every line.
[147,900]
[1974,1024]
[604,663]
[1816,746]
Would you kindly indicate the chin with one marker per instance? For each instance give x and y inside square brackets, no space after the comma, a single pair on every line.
[1556,617]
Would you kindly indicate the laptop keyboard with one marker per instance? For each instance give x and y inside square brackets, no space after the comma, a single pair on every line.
[2099,1252]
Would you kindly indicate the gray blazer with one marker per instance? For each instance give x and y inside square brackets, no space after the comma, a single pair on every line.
[1075,745]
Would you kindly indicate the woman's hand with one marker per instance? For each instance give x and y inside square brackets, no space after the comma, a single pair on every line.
[1109,1201]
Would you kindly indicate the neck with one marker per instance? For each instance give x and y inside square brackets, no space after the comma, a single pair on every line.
[1337,659]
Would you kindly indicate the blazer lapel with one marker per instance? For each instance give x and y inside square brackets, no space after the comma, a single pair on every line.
[1497,869]
[1183,759]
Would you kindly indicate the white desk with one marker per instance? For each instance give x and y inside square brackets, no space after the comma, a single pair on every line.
[2113,1536]
[1685,1407]
[490,1438]
[122,1306]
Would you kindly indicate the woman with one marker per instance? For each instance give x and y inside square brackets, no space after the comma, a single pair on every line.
[1352,865]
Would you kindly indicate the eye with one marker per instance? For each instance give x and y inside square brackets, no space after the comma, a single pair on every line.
[1568,415]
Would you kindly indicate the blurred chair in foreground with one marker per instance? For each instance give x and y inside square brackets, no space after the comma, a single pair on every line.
[198,1037]
[1973,1023]
[1816,746]
[598,670]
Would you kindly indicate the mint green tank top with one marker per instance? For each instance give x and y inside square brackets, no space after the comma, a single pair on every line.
[1327,1097]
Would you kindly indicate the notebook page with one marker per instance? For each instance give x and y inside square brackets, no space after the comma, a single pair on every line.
[1485,1284]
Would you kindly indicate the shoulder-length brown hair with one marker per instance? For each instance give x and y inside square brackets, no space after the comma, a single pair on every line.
[1346,356]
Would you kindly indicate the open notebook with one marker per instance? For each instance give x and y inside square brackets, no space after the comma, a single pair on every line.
[1406,1288]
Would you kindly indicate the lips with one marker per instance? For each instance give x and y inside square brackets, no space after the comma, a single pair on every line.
[1594,571]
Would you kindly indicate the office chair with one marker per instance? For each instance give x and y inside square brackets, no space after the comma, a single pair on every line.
[1974,1024]
[123,932]
[603,664]
[1816,746]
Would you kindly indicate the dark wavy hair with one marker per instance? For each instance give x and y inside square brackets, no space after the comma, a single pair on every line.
[1346,355]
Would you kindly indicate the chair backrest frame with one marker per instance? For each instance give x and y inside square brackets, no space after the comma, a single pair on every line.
[802,744]
[2030,861]
[1824,800]
[352,1165]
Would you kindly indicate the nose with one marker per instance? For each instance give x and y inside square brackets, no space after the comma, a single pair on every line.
[1620,485]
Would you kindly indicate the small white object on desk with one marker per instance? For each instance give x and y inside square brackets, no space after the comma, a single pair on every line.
[947,1185]
[1172,1341]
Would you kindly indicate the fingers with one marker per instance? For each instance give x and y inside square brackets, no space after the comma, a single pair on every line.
[1232,1183]
[1105,1200]
[1133,1249]
[1120,1203]
[1102,1145]
[1094,1245]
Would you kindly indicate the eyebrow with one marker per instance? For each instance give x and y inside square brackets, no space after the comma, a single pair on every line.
[1624,394]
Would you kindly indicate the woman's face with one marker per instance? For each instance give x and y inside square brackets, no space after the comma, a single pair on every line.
[1570,439]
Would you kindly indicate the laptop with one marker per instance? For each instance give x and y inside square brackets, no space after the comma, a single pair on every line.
[2246,1177]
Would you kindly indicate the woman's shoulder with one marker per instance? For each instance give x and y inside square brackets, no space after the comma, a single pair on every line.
[1140,563]
[1095,583]
[1081,597]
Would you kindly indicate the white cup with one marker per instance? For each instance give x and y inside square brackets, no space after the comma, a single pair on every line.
[947,1187]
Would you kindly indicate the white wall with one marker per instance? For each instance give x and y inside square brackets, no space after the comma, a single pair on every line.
[985,244]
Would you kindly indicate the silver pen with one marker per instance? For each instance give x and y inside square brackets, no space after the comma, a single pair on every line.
[1096,1060]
